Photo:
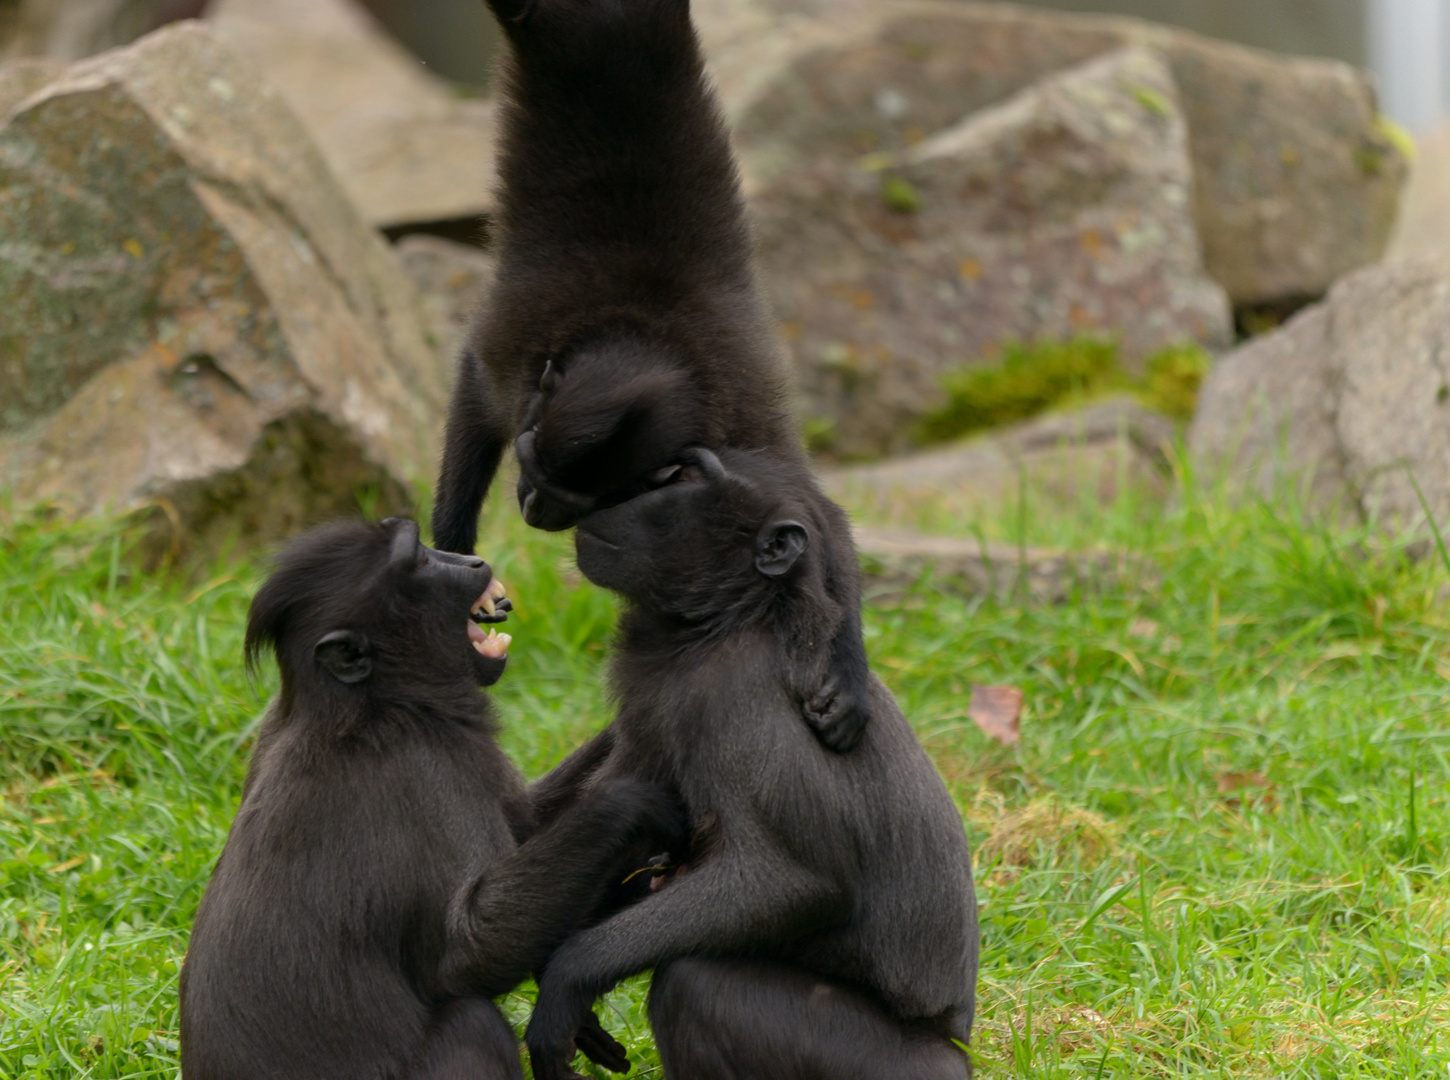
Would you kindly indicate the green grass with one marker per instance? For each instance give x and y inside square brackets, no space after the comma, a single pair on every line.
[1219,850]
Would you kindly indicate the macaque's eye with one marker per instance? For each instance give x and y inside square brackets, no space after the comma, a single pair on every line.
[668,474]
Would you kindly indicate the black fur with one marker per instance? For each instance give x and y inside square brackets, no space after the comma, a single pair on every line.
[626,322]
[824,925]
[373,894]
[761,1020]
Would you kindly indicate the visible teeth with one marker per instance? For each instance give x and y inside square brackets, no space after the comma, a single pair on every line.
[488,601]
[494,646]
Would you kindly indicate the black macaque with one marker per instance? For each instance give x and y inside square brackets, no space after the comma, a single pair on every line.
[625,322]
[824,924]
[384,877]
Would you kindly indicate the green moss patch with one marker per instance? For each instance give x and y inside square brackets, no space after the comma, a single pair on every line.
[1033,378]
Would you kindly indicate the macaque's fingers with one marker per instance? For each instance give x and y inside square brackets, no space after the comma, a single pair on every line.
[836,716]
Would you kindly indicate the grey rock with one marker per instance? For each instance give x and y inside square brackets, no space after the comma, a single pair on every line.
[1111,420]
[21,78]
[196,318]
[895,559]
[750,44]
[1057,458]
[1266,413]
[1065,210]
[451,280]
[406,147]
[1296,178]
[1350,400]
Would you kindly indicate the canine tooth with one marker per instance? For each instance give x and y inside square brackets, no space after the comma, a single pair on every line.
[487,604]
[496,589]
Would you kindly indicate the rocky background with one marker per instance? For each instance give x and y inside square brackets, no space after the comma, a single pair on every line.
[237,254]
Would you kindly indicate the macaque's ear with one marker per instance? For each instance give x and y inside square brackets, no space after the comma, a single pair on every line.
[403,553]
[778,547]
[346,655]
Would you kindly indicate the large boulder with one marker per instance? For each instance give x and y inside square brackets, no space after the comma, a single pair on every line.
[21,78]
[1350,400]
[452,280]
[196,319]
[749,43]
[405,145]
[1057,459]
[1296,177]
[1065,210]
[894,561]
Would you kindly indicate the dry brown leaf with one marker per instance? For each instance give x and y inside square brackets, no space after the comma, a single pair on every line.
[1143,629]
[1254,788]
[1232,781]
[997,710]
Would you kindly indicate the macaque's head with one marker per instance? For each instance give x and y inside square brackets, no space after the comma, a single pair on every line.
[359,607]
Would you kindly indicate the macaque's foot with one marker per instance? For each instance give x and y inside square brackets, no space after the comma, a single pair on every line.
[560,1021]
[601,1047]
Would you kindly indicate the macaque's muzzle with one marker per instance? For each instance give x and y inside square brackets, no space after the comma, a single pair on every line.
[544,505]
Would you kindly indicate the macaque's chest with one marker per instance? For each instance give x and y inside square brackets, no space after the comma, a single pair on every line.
[742,764]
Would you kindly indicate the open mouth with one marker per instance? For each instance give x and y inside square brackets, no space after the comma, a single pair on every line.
[491,607]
